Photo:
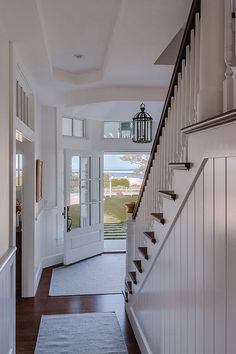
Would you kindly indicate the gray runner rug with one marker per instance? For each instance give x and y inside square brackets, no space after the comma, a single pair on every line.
[98,275]
[89,333]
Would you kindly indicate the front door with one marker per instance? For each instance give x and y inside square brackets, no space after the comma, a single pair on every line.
[83,235]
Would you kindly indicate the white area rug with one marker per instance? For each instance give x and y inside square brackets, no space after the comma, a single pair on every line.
[98,275]
[90,333]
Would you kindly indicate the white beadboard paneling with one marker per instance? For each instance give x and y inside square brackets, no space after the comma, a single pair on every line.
[184,280]
[208,258]
[191,273]
[187,303]
[231,256]
[177,290]
[7,302]
[220,255]
[199,251]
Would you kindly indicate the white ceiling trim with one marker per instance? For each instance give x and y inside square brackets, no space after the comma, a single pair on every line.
[82,97]
[110,44]
[44,33]
[77,79]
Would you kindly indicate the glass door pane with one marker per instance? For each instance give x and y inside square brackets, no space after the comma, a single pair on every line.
[95,213]
[74,209]
[85,215]
[85,167]
[85,191]
[95,190]
[95,168]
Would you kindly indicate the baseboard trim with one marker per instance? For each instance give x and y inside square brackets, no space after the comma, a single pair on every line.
[139,335]
[52,260]
[38,277]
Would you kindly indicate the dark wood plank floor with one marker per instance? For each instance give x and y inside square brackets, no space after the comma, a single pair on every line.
[29,313]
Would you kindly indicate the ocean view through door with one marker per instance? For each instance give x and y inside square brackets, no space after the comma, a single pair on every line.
[123,176]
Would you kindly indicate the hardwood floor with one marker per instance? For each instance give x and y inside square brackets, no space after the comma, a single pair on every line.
[29,313]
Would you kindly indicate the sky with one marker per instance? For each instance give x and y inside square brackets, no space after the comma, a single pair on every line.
[113,162]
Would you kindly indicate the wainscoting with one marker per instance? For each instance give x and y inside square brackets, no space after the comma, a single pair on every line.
[7,302]
[187,302]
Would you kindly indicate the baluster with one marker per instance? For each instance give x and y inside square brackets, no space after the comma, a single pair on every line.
[187,86]
[178,115]
[161,160]
[172,131]
[164,154]
[197,63]
[182,117]
[164,157]
[156,178]
[186,103]
[150,196]
[154,181]
[228,56]
[168,148]
[175,125]
[171,141]
[158,185]
[191,79]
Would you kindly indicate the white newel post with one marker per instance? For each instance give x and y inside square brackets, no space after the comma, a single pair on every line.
[212,64]
[130,241]
[229,57]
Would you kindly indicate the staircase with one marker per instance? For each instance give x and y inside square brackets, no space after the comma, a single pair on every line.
[179,264]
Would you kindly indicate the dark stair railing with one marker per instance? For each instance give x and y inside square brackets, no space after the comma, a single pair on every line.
[195,8]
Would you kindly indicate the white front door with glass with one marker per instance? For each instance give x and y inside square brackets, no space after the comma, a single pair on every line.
[83,206]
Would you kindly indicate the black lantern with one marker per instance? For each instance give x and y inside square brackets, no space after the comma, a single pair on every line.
[142,126]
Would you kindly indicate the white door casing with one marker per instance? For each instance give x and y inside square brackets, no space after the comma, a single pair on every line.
[83,232]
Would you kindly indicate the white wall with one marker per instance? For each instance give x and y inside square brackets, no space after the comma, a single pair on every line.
[95,141]
[52,187]
[53,176]
[33,225]
[4,142]
[7,254]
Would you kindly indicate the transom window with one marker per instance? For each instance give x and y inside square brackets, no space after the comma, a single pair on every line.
[118,130]
[73,127]
[22,104]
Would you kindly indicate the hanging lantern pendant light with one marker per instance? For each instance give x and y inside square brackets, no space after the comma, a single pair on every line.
[142,126]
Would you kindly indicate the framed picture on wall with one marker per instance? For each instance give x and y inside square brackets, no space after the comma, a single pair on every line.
[39,180]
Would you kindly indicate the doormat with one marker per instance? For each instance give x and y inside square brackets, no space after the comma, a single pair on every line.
[99,275]
[89,333]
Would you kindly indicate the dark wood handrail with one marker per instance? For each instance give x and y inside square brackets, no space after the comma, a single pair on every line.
[195,8]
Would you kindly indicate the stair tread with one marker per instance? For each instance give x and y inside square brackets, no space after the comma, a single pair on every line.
[180,165]
[138,265]
[144,251]
[168,194]
[159,217]
[128,285]
[133,277]
[125,294]
[150,235]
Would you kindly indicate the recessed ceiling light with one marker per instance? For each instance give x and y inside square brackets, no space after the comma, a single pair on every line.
[78,56]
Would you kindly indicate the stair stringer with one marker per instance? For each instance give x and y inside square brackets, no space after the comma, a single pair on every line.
[162,231]
[142,278]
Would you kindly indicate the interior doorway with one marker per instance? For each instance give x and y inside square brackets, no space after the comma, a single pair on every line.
[123,176]
[19,204]
[25,208]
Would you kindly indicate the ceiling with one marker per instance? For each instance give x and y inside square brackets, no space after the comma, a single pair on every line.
[119,40]
[113,110]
